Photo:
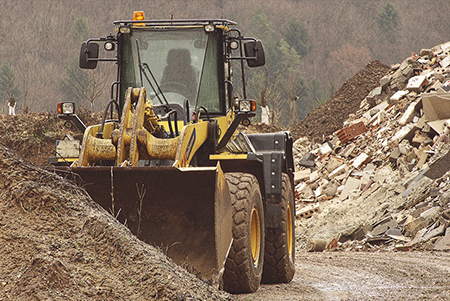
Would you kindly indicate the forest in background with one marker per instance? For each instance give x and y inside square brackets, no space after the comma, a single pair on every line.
[312,46]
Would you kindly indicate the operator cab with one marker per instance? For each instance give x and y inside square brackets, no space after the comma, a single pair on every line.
[176,65]
[185,66]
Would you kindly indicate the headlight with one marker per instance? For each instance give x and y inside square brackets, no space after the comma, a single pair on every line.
[109,46]
[247,105]
[66,108]
[210,28]
[234,45]
[124,29]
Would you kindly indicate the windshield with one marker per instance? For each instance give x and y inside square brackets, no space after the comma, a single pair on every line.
[180,64]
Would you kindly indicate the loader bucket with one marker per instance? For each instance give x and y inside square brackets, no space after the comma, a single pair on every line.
[186,212]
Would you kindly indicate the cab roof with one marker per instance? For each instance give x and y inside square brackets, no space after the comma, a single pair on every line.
[178,22]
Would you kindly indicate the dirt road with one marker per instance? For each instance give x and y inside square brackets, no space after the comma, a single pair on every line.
[363,276]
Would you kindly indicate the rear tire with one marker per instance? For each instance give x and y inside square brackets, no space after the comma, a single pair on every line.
[244,265]
[279,254]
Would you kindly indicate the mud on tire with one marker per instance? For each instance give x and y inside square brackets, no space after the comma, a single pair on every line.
[244,265]
[280,242]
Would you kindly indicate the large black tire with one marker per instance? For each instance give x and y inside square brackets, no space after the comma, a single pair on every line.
[244,265]
[279,253]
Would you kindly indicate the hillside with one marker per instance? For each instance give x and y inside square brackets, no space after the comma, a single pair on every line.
[40,52]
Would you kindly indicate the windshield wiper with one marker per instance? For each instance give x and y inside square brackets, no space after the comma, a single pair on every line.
[142,67]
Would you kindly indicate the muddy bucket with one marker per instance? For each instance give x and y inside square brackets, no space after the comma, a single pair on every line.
[184,211]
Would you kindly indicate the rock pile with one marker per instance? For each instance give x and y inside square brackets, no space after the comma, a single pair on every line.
[382,178]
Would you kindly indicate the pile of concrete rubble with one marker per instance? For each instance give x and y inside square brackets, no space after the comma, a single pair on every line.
[381,181]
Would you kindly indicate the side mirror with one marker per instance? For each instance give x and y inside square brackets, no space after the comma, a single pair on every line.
[89,55]
[254,53]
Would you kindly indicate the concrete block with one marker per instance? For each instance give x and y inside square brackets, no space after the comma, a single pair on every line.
[314,176]
[308,211]
[384,81]
[347,150]
[445,62]
[326,148]
[316,245]
[417,83]
[360,160]
[398,96]
[331,190]
[301,175]
[395,154]
[404,147]
[408,71]
[333,163]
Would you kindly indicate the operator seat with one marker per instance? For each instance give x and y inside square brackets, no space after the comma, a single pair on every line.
[179,75]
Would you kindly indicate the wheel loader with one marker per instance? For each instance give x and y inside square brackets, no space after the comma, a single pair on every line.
[168,162]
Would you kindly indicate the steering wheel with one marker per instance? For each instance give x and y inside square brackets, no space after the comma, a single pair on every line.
[175,87]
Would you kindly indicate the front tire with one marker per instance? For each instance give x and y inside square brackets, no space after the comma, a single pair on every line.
[244,265]
[279,254]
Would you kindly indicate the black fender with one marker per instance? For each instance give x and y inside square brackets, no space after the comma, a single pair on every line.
[274,153]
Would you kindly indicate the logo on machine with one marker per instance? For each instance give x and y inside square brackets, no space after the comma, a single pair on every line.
[189,147]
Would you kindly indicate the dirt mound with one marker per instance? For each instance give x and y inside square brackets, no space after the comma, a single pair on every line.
[57,244]
[329,118]
[33,135]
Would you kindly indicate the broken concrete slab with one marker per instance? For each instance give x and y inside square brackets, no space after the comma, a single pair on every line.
[338,171]
[443,244]
[439,125]
[398,96]
[307,160]
[406,132]
[436,105]
[396,233]
[409,114]
[439,167]
[411,228]
[350,185]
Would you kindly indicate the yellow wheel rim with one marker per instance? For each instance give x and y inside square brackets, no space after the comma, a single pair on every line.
[289,229]
[255,235]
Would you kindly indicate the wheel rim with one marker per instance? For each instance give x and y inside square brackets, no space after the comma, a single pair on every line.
[289,229]
[255,235]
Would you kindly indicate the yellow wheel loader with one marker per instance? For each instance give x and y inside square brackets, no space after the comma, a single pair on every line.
[172,166]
